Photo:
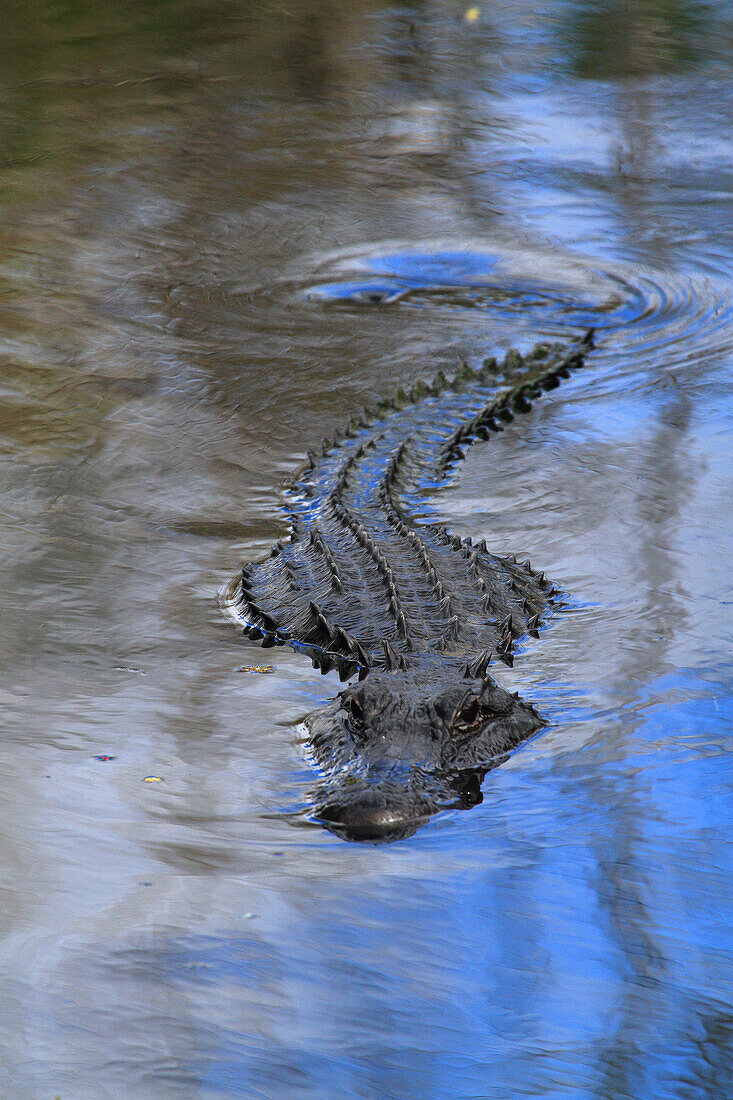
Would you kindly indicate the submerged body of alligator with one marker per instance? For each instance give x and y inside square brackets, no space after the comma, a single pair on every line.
[418,614]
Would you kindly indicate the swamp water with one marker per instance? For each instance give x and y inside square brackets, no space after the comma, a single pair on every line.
[225,227]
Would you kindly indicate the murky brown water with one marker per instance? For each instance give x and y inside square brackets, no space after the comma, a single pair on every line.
[224,228]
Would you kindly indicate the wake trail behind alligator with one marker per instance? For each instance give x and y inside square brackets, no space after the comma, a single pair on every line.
[657,319]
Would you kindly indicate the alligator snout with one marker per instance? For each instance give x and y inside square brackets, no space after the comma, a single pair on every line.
[372,813]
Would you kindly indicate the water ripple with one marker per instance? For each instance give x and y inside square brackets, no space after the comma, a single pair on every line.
[658,318]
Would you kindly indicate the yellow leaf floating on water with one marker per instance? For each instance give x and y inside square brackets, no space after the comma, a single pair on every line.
[472,15]
[153,779]
[255,668]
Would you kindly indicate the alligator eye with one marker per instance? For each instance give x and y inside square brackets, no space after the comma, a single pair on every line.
[470,714]
[355,708]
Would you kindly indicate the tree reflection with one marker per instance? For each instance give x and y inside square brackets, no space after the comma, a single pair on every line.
[625,38]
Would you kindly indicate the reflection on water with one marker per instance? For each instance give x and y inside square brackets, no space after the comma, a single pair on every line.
[613,38]
[225,227]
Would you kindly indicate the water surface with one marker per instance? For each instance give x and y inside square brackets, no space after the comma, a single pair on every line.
[225,228]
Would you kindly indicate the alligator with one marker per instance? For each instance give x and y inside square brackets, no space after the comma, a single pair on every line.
[409,613]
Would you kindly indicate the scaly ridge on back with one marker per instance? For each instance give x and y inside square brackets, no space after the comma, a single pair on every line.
[353,537]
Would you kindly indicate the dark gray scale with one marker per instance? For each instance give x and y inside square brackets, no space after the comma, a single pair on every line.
[494,600]
[456,598]
[359,573]
[319,613]
[319,591]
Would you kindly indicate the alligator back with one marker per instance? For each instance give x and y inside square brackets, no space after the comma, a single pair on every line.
[360,585]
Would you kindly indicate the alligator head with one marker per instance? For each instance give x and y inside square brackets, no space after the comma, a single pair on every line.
[400,747]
